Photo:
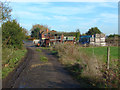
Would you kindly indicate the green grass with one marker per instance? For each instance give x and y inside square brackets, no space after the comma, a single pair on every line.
[101,52]
[38,50]
[43,59]
[11,58]
[45,48]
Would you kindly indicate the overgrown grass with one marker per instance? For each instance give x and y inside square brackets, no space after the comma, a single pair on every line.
[10,59]
[43,59]
[90,65]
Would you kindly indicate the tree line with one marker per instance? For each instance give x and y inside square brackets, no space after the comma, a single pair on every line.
[37,28]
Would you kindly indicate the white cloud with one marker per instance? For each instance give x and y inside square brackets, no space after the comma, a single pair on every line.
[30,15]
[109,5]
[109,18]
[62,10]
[109,15]
[60,18]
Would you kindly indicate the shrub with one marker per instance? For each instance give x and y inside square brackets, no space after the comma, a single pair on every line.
[12,34]
[87,66]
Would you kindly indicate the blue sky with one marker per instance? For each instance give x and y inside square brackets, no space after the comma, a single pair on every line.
[68,16]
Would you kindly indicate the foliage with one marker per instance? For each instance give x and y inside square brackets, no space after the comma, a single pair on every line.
[93,30]
[36,29]
[90,63]
[5,10]
[64,33]
[43,59]
[77,34]
[35,33]
[12,34]
[113,35]
[10,59]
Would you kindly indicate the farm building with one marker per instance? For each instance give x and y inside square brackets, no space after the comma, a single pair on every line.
[96,40]
[48,38]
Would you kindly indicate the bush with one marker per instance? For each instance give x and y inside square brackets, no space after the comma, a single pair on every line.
[87,66]
[12,34]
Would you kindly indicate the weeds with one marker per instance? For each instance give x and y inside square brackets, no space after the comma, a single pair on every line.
[43,59]
[87,65]
[38,50]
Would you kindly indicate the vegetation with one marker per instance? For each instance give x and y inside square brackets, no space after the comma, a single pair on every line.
[12,34]
[43,59]
[101,52]
[37,29]
[64,33]
[113,35]
[93,30]
[89,66]
[12,41]
[38,50]
[35,33]
[10,59]
[5,11]
[77,34]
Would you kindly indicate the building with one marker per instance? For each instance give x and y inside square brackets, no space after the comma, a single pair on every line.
[96,40]
[49,38]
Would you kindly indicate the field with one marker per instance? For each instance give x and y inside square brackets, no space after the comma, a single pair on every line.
[101,53]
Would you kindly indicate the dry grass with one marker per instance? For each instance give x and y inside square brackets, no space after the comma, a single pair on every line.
[88,66]
[71,54]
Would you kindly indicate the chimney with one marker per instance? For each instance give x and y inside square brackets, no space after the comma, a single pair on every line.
[47,30]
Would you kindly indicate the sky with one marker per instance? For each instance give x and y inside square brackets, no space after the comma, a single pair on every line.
[67,16]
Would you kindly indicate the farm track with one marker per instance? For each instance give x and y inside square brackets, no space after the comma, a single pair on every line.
[38,74]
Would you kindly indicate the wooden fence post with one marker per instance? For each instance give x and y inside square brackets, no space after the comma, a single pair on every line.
[108,57]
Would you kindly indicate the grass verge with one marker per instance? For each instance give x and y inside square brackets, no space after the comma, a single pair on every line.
[90,64]
[10,59]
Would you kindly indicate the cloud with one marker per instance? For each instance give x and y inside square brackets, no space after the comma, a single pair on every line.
[31,15]
[67,16]
[60,18]
[109,5]
[109,18]
[62,10]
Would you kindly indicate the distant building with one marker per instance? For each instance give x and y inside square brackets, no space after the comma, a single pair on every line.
[49,38]
[96,40]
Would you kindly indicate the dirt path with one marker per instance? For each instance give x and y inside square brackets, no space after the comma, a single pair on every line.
[38,74]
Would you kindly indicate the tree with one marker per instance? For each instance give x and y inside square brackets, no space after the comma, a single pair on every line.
[35,33]
[113,35]
[36,29]
[12,34]
[5,11]
[93,30]
[77,34]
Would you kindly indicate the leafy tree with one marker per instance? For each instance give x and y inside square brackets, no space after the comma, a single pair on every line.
[93,30]
[12,34]
[36,29]
[35,33]
[77,34]
[5,11]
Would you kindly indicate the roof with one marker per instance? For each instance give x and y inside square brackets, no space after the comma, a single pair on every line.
[87,36]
